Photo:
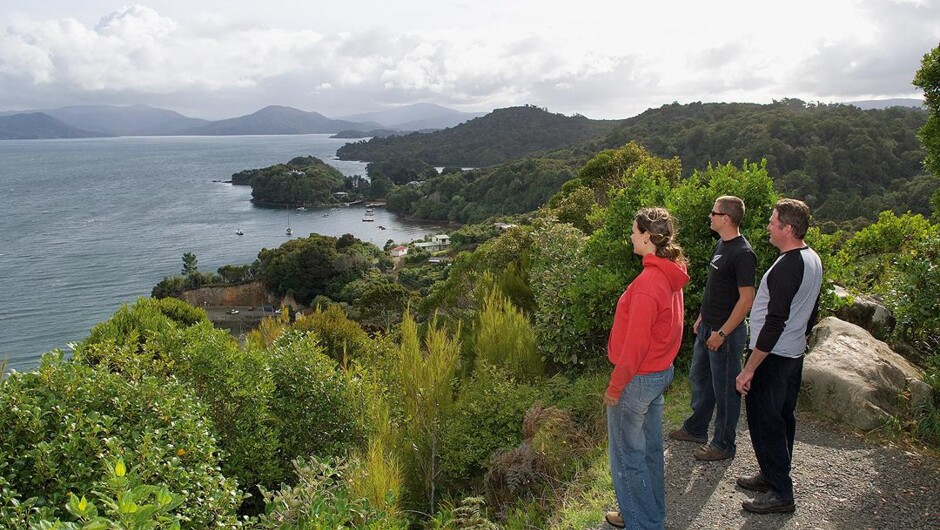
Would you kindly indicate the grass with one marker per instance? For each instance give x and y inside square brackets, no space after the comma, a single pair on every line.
[591,492]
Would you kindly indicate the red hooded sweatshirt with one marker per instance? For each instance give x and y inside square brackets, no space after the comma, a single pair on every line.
[647,326]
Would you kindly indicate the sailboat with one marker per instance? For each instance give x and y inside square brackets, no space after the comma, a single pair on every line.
[289,231]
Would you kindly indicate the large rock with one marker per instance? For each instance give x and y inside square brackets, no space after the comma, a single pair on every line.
[867,312]
[851,377]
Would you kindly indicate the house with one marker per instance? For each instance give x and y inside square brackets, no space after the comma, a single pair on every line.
[437,243]
[399,251]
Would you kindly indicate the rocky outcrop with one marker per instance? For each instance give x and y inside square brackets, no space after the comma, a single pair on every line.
[851,377]
[248,294]
[867,312]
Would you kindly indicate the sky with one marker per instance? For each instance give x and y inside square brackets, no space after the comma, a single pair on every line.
[606,59]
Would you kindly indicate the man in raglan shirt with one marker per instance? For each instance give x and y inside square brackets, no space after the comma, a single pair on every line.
[783,314]
[721,335]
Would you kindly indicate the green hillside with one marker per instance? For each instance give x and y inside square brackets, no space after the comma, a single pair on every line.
[503,135]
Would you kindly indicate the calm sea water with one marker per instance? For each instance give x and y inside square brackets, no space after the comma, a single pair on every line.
[89,224]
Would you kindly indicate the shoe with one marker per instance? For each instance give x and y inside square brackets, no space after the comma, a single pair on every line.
[614,519]
[710,453]
[769,502]
[681,434]
[754,483]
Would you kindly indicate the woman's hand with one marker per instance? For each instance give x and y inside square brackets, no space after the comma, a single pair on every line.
[610,401]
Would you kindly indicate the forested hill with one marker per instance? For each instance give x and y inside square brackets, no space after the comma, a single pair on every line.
[846,162]
[503,135]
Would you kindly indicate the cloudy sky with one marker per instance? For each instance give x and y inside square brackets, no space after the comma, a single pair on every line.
[604,59]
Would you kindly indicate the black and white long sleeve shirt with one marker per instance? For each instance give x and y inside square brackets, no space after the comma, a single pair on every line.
[787,303]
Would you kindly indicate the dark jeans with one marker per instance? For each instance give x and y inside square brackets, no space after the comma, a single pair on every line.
[771,418]
[712,376]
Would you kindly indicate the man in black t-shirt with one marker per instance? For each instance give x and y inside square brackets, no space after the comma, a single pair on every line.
[720,336]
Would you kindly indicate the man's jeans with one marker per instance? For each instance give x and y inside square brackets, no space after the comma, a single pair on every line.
[635,431]
[771,418]
[712,378]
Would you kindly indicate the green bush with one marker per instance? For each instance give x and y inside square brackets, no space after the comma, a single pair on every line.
[486,417]
[148,317]
[340,337]
[321,499]
[315,408]
[503,336]
[236,387]
[64,423]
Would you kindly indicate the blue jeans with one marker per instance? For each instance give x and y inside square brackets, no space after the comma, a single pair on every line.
[635,432]
[712,376]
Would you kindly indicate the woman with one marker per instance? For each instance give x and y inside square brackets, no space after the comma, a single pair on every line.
[643,342]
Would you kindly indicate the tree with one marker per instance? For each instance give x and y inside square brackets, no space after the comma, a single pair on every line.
[383,301]
[190,264]
[928,79]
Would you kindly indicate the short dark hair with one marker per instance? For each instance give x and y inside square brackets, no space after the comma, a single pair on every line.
[733,206]
[794,213]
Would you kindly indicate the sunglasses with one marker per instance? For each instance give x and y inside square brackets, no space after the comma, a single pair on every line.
[713,212]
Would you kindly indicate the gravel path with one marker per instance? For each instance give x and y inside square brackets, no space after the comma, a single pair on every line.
[841,482]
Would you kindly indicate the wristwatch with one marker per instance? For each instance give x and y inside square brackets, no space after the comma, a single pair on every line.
[721,333]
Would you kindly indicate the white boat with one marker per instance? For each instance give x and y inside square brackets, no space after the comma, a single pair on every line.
[368,220]
[302,209]
[289,231]
[239,232]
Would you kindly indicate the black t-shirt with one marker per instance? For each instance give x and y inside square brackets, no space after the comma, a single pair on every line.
[733,265]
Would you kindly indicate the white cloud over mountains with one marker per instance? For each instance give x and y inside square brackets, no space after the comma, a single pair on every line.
[594,58]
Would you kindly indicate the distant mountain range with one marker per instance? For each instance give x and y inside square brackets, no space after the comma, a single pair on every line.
[36,125]
[417,117]
[141,120]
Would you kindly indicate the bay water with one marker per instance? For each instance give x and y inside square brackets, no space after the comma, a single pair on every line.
[89,224]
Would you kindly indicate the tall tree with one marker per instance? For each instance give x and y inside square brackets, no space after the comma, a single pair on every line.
[928,79]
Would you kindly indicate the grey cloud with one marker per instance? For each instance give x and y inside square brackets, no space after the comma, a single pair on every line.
[884,66]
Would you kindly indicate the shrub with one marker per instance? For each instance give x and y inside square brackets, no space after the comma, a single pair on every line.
[582,397]
[314,406]
[340,337]
[552,450]
[487,417]
[126,504]
[134,324]
[425,394]
[321,499]
[504,337]
[236,387]
[64,422]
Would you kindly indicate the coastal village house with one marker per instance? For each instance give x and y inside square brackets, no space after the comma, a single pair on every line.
[437,242]
[399,251]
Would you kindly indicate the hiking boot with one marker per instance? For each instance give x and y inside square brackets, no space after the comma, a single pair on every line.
[754,483]
[614,519]
[683,435]
[769,502]
[710,453]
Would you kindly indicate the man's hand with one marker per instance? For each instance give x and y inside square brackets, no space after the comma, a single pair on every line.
[743,382]
[697,322]
[610,401]
[714,341]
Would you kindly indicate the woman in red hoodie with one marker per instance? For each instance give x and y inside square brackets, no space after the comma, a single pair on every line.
[643,342]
